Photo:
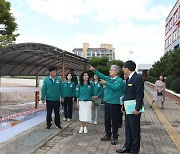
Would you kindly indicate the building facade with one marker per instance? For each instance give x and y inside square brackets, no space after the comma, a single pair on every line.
[172,28]
[86,52]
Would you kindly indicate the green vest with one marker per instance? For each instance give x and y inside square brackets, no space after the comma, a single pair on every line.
[98,89]
[85,92]
[68,89]
[51,90]
[114,88]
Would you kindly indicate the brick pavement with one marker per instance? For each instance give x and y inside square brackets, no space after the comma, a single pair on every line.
[154,138]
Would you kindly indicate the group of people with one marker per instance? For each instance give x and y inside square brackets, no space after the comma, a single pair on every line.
[89,95]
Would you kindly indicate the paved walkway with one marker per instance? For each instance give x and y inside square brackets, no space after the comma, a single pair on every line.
[154,137]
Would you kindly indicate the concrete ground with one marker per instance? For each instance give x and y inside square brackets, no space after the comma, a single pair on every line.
[159,134]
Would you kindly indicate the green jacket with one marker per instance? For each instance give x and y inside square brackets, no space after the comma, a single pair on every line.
[85,92]
[74,79]
[68,89]
[51,90]
[98,89]
[114,88]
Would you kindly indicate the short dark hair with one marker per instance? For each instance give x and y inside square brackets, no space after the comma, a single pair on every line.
[52,68]
[130,65]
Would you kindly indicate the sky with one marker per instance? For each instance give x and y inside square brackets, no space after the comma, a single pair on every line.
[129,25]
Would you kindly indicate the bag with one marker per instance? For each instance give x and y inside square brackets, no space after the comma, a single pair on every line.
[159,93]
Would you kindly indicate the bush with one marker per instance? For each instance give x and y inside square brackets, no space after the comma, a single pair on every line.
[169,80]
[151,79]
[175,85]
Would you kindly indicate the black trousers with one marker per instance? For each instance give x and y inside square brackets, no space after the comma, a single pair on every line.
[112,113]
[68,106]
[50,106]
[132,130]
[120,118]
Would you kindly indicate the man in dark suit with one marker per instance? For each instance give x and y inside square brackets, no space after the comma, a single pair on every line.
[134,91]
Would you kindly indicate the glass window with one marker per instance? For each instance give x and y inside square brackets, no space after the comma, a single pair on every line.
[179,31]
[175,36]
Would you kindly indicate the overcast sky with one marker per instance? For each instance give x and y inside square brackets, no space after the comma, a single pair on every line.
[136,25]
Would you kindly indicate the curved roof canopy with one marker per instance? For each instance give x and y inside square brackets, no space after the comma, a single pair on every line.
[31,59]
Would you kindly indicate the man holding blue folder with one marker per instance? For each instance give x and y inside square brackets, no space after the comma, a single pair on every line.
[134,93]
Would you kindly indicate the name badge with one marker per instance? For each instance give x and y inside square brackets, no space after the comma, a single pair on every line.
[98,85]
[71,85]
[57,81]
[130,85]
[89,86]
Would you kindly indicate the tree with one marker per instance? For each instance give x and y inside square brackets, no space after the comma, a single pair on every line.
[169,64]
[103,64]
[7,25]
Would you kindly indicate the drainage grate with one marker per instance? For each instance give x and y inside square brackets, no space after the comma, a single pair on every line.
[35,138]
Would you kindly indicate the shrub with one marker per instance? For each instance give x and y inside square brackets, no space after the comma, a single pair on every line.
[151,79]
[169,80]
[175,85]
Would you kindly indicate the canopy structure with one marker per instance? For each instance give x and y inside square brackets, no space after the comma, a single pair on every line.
[33,59]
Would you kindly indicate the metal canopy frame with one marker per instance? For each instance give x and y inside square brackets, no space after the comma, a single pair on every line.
[33,59]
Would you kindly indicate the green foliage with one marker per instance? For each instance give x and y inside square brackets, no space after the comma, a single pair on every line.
[151,79]
[7,24]
[96,61]
[103,64]
[169,80]
[116,62]
[168,66]
[175,85]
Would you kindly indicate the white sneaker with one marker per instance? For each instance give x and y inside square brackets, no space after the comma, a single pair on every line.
[64,119]
[95,122]
[68,120]
[85,130]
[81,130]
[61,111]
[90,122]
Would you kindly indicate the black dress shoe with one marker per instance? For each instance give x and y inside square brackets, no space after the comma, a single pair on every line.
[106,138]
[49,126]
[114,142]
[123,150]
[58,126]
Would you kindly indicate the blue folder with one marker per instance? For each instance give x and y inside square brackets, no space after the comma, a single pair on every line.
[130,106]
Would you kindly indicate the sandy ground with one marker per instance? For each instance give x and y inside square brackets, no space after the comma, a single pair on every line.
[14,102]
[17,97]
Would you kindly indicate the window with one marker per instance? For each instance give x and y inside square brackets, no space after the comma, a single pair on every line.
[171,24]
[175,36]
[179,31]
[166,30]
[170,40]
[176,16]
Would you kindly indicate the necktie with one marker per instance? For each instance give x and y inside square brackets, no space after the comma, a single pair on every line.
[127,80]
